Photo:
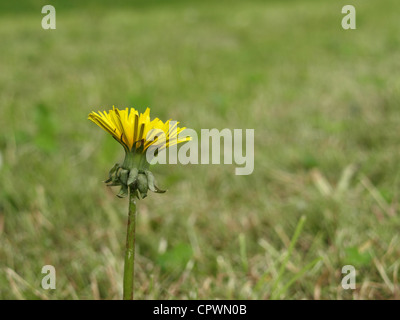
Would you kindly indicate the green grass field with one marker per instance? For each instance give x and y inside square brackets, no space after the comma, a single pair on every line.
[325,106]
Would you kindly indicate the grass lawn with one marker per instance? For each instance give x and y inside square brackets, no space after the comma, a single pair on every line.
[324,103]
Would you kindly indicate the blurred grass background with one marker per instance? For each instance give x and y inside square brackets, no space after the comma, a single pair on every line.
[324,104]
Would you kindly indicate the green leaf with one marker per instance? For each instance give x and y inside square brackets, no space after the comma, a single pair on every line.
[356,258]
[176,258]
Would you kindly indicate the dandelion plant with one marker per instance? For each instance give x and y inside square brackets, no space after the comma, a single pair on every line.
[142,138]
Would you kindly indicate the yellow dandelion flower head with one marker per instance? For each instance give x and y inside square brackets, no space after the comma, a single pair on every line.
[137,132]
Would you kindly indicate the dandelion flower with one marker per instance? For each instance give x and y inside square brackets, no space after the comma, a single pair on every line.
[137,132]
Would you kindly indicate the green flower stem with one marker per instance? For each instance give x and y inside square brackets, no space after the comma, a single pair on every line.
[129,268]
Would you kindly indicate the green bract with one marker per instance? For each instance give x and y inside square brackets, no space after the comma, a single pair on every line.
[133,174]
